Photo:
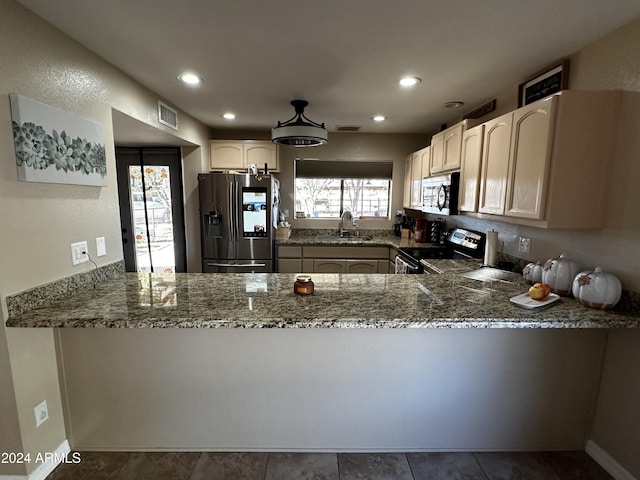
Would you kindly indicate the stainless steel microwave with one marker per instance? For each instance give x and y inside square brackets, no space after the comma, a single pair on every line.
[440,194]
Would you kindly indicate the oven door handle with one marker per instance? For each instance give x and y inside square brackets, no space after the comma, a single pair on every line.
[402,267]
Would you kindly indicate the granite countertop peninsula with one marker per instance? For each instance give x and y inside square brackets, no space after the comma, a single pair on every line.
[464,296]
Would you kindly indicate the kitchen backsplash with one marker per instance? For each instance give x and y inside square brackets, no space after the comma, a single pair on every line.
[34,297]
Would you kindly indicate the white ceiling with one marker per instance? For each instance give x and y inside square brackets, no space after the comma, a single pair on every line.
[343,56]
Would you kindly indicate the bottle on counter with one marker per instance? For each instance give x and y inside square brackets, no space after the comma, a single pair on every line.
[303,285]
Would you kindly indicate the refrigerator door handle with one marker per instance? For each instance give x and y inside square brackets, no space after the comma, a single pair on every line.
[238,206]
[234,265]
[233,236]
[231,219]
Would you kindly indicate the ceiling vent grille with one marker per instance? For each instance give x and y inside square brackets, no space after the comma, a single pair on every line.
[167,116]
[348,128]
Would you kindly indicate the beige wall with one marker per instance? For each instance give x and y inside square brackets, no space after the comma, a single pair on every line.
[616,427]
[608,64]
[349,146]
[331,388]
[39,221]
[611,63]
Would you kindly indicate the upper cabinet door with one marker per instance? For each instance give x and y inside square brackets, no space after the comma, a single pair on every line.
[452,147]
[226,155]
[437,153]
[495,165]
[416,180]
[260,153]
[530,159]
[470,162]
[425,161]
[239,154]
[406,193]
[446,148]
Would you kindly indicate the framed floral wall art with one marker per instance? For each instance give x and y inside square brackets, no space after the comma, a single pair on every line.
[54,146]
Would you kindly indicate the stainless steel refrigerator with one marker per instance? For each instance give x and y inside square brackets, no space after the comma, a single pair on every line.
[238,215]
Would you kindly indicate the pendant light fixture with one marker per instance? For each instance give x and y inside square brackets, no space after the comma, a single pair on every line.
[299,131]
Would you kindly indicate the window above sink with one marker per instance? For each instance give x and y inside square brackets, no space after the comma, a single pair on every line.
[325,189]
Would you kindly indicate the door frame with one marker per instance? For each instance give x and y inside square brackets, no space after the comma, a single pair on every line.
[151,156]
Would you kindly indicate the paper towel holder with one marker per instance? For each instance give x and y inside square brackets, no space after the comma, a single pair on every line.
[491,249]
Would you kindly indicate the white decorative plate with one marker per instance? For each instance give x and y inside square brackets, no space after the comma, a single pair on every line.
[525,301]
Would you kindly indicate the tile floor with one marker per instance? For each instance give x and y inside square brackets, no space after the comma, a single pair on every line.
[332,466]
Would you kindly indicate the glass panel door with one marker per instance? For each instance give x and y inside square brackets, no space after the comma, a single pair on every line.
[150,199]
[149,184]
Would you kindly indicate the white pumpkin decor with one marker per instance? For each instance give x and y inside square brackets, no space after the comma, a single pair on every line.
[559,273]
[597,289]
[532,273]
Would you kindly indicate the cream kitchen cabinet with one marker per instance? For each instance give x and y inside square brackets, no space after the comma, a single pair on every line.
[416,167]
[362,266]
[446,148]
[530,159]
[425,162]
[289,258]
[344,259]
[470,163]
[406,193]
[495,164]
[418,161]
[547,164]
[328,265]
[239,154]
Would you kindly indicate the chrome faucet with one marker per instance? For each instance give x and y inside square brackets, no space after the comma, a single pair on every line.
[346,217]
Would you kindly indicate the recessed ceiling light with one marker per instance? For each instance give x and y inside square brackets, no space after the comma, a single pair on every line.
[409,81]
[454,104]
[229,116]
[378,118]
[190,78]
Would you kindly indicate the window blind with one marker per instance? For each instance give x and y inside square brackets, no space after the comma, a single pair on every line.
[343,169]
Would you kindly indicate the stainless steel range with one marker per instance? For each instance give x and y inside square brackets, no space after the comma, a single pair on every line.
[459,244]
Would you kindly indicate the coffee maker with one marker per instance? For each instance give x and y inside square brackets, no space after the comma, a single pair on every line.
[400,221]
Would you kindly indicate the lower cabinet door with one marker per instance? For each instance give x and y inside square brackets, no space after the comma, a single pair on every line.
[289,265]
[361,266]
[327,265]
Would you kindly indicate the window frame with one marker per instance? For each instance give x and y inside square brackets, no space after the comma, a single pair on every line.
[343,207]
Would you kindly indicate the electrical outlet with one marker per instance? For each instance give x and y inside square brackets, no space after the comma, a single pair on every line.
[101,247]
[41,412]
[79,253]
[525,245]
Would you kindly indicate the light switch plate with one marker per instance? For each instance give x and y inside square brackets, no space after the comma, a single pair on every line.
[101,247]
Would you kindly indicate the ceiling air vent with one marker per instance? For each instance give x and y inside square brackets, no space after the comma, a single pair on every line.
[348,128]
[167,116]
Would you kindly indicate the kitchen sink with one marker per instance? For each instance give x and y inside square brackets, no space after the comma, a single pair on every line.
[345,239]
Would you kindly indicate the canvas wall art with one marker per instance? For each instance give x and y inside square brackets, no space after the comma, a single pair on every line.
[55,146]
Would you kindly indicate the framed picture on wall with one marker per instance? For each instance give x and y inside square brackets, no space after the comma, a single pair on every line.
[54,146]
[550,81]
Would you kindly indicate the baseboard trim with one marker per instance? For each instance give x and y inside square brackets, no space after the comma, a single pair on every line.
[607,462]
[44,469]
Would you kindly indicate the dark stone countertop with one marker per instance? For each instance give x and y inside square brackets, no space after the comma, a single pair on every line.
[464,296]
